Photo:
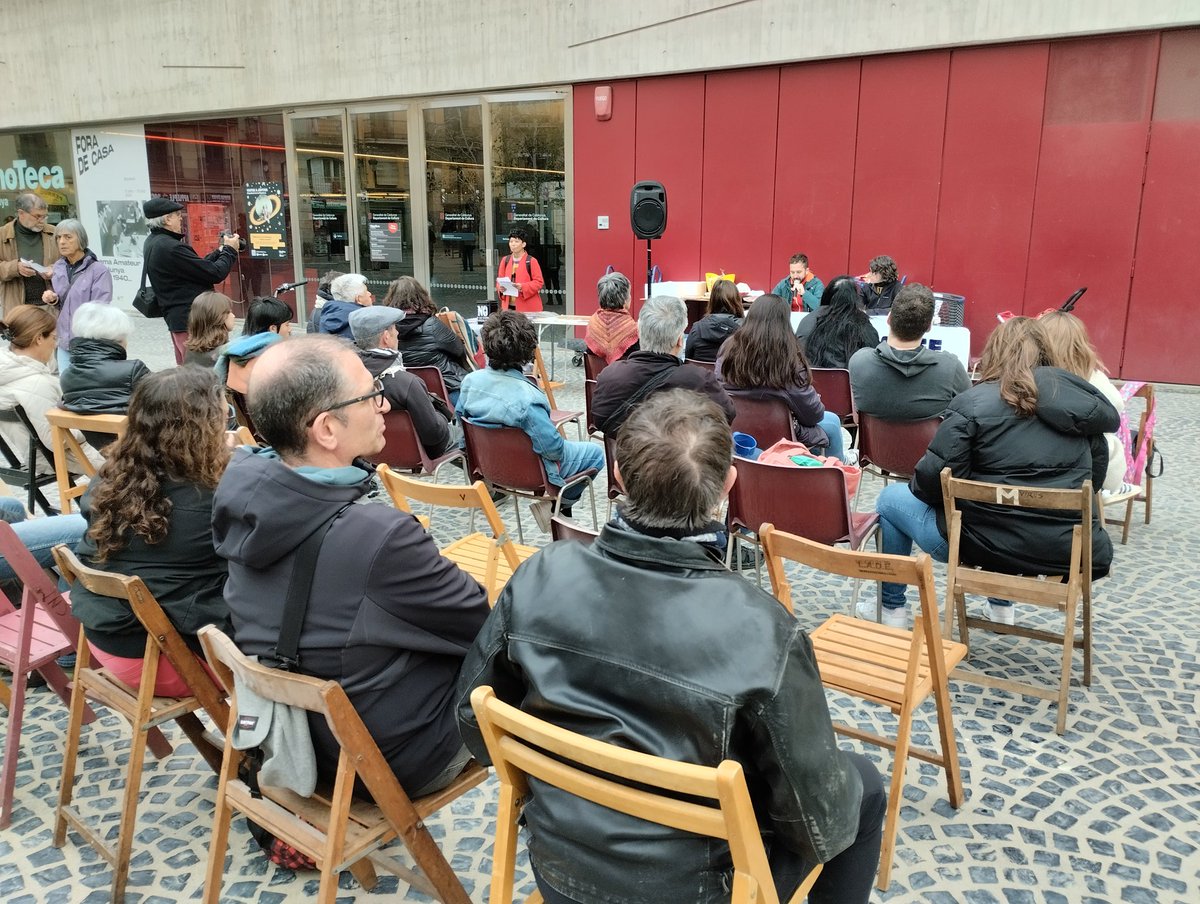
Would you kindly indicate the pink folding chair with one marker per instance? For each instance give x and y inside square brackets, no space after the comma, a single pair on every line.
[31,639]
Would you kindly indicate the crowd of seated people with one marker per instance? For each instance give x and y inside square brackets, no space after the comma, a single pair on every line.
[216,535]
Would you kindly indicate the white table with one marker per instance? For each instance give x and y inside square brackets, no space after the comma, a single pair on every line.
[953,339]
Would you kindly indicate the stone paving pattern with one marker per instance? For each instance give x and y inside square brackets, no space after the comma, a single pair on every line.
[1108,812]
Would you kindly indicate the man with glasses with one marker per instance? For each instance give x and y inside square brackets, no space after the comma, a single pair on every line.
[29,237]
[388,617]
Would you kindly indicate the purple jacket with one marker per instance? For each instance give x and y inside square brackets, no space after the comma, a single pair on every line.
[92,283]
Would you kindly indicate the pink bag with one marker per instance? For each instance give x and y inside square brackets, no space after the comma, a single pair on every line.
[785,452]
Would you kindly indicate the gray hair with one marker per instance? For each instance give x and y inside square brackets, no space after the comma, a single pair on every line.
[157,222]
[613,290]
[660,324]
[29,202]
[75,228]
[96,320]
[366,343]
[348,286]
[286,400]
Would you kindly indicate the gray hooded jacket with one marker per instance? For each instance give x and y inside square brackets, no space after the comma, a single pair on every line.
[905,385]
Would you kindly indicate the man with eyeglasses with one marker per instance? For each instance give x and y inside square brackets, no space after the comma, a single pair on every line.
[29,237]
[388,617]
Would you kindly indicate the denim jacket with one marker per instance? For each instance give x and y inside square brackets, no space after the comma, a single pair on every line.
[504,398]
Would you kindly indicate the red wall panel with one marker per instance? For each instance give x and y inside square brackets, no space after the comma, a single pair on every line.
[1164,280]
[901,123]
[741,109]
[604,153]
[1098,99]
[989,168]
[670,150]
[814,167]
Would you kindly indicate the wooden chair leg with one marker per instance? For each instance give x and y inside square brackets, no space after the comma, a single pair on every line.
[1128,521]
[197,734]
[364,871]
[74,728]
[504,853]
[428,856]
[219,843]
[12,746]
[6,694]
[57,681]
[1064,685]
[129,805]
[950,764]
[887,848]
[960,605]
[1087,634]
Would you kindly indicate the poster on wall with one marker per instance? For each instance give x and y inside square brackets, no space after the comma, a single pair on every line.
[111,181]
[264,214]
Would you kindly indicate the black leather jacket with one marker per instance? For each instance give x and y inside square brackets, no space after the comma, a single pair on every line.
[425,341]
[99,381]
[650,644]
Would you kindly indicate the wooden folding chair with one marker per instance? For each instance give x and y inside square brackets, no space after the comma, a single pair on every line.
[661,791]
[1067,594]
[31,639]
[1142,451]
[491,560]
[62,423]
[893,667]
[558,417]
[335,830]
[140,707]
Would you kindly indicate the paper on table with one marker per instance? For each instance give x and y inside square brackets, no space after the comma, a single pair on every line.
[507,286]
[38,268]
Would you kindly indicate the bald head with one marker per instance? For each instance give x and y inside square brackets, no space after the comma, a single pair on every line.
[293,382]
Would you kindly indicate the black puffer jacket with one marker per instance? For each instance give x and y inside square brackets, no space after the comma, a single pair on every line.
[590,638]
[99,381]
[707,335]
[427,342]
[983,438]
[178,274]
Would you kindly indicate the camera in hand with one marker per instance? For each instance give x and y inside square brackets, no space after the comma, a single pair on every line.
[222,236]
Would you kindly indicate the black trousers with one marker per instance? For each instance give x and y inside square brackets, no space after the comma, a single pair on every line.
[847,879]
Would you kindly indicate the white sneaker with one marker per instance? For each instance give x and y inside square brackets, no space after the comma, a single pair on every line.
[1002,615]
[866,610]
[850,457]
[542,510]
[893,618]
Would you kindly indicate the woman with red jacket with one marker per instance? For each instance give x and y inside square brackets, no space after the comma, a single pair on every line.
[523,270]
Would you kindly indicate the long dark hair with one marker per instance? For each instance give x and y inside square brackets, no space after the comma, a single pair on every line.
[764,351]
[176,432]
[841,321]
[724,299]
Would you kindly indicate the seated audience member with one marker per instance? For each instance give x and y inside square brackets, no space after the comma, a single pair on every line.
[210,321]
[268,315]
[26,380]
[149,514]
[389,618]
[838,328]
[655,366]
[424,341]
[722,317]
[800,288]
[349,293]
[879,285]
[763,360]
[612,331]
[100,379]
[1068,346]
[39,536]
[1023,424]
[650,686]
[500,395]
[900,379]
[374,332]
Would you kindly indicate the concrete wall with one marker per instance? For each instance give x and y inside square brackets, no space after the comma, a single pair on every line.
[76,61]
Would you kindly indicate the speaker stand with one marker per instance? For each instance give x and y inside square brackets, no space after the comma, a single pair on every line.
[649,267]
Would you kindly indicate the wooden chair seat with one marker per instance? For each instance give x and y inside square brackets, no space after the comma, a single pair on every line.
[479,556]
[870,661]
[68,449]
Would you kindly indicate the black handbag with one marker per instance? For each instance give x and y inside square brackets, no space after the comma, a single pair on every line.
[145,301]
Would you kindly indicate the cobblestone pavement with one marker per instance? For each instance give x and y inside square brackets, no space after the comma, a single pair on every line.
[1108,812]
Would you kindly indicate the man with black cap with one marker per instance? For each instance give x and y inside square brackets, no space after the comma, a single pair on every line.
[374,331]
[176,272]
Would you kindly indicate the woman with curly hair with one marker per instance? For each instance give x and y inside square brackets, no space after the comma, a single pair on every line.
[149,513]
[209,324]
[763,360]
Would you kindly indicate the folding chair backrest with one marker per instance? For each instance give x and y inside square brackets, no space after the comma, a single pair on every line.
[401,489]
[894,446]
[563,528]
[160,632]
[505,457]
[1137,456]
[808,502]
[667,792]
[67,447]
[38,585]
[589,389]
[833,386]
[767,420]
[695,311]
[434,382]
[401,446]
[615,490]
[593,364]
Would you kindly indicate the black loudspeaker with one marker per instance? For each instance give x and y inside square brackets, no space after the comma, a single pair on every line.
[648,210]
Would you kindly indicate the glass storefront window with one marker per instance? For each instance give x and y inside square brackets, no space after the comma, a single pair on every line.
[321,196]
[454,185]
[529,185]
[39,162]
[231,175]
[384,209]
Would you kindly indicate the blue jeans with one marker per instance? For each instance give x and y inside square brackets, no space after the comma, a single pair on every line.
[39,535]
[64,360]
[578,456]
[831,423]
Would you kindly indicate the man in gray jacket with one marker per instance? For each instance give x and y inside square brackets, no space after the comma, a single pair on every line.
[900,379]
[388,617]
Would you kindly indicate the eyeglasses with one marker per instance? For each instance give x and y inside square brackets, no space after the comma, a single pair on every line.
[377,395]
